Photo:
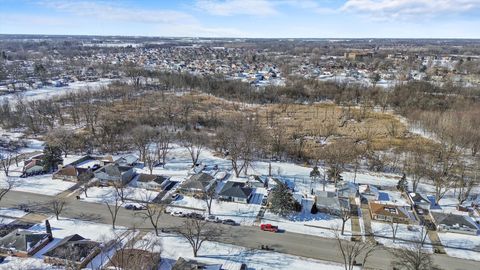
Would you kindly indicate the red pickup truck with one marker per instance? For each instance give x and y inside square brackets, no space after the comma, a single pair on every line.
[268,228]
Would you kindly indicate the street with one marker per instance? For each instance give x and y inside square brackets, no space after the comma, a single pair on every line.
[250,237]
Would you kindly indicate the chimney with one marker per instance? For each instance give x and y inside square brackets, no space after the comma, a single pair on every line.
[48,229]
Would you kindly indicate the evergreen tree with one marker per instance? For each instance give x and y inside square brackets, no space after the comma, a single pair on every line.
[403,184]
[52,156]
[282,202]
[315,174]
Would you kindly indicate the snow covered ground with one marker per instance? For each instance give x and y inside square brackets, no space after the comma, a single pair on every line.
[107,194]
[320,224]
[244,214]
[231,257]
[51,91]
[8,215]
[383,234]
[40,184]
[455,245]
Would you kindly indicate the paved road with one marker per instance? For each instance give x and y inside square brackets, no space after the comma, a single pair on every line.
[250,237]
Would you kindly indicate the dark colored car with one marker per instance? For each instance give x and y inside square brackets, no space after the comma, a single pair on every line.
[196,216]
[229,222]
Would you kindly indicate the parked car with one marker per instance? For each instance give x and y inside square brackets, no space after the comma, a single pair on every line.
[195,216]
[268,228]
[229,222]
[134,207]
[264,201]
[212,218]
[177,214]
[175,196]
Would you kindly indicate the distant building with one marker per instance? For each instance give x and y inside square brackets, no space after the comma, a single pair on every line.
[359,55]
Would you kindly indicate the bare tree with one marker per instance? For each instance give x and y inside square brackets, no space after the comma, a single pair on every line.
[441,169]
[113,206]
[151,159]
[61,138]
[57,206]
[414,166]
[163,141]
[141,137]
[6,160]
[352,251]
[195,143]
[6,187]
[345,215]
[196,232]
[135,253]
[414,257]
[209,195]
[153,211]
[394,227]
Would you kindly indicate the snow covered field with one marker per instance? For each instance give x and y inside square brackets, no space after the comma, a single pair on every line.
[51,91]
[455,244]
[383,234]
[244,214]
[40,184]
[320,224]
[231,257]
[107,194]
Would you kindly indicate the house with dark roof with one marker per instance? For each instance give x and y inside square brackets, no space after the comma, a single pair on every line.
[73,251]
[135,259]
[184,264]
[23,243]
[419,200]
[368,192]
[114,174]
[197,184]
[328,202]
[235,192]
[66,173]
[151,181]
[390,213]
[128,160]
[454,223]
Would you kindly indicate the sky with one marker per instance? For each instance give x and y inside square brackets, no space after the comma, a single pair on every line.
[244,18]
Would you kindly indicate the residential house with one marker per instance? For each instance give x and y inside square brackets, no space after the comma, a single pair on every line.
[454,223]
[196,184]
[114,174]
[73,250]
[390,213]
[256,181]
[368,192]
[33,165]
[151,181]
[328,202]
[128,161]
[66,173]
[236,192]
[23,243]
[419,200]
[346,189]
[184,264]
[130,258]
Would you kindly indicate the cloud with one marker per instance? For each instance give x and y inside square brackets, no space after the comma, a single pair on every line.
[409,9]
[237,7]
[115,12]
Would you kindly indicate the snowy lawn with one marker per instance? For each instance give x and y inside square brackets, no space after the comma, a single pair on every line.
[383,234]
[456,243]
[320,224]
[107,194]
[231,257]
[244,214]
[9,215]
[41,184]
